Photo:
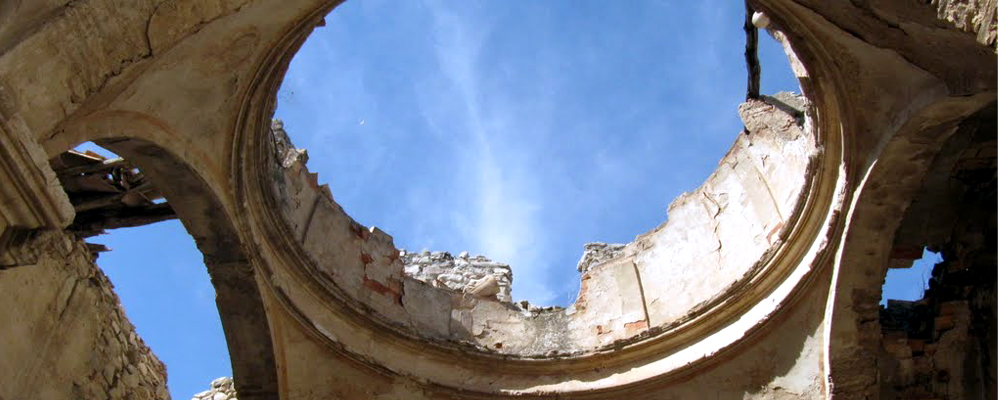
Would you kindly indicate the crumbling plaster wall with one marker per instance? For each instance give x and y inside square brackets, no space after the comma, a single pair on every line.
[979,17]
[65,335]
[716,236]
[783,362]
[915,92]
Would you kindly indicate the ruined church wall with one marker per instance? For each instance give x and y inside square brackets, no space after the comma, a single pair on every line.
[784,362]
[716,236]
[65,335]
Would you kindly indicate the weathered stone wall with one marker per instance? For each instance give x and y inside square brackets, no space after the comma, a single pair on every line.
[597,253]
[715,237]
[975,16]
[942,346]
[65,335]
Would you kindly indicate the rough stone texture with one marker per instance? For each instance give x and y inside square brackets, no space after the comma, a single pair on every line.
[943,345]
[462,274]
[979,17]
[68,338]
[762,284]
[219,389]
[597,253]
[285,151]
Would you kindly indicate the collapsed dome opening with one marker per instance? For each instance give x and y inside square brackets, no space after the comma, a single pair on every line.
[188,92]
[716,239]
[401,152]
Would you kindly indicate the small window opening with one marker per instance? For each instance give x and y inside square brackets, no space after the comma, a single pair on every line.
[909,284]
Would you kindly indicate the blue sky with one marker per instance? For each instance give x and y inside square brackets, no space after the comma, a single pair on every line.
[517,130]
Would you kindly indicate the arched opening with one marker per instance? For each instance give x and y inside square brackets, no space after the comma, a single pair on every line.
[152,262]
[145,182]
[763,187]
[237,297]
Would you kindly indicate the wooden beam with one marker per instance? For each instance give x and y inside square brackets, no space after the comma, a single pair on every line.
[96,167]
[751,54]
[95,222]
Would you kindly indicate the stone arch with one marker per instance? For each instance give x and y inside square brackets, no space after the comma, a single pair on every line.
[335,316]
[890,131]
[137,138]
[881,205]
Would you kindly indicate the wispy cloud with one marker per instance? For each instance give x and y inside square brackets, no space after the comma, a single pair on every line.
[504,201]
[517,130]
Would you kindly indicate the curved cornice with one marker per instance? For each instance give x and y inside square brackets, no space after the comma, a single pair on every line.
[349,328]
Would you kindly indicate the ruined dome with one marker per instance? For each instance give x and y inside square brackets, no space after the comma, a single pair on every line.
[719,237]
[763,283]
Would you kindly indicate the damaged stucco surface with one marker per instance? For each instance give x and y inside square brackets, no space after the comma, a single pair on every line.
[715,237]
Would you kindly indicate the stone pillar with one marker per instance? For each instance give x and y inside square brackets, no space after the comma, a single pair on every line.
[31,198]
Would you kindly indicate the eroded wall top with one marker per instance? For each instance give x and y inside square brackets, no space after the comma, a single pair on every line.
[716,236]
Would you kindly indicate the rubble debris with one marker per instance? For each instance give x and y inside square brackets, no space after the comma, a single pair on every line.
[596,253]
[221,389]
[475,275]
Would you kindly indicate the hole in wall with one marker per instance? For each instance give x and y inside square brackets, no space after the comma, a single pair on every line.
[909,284]
[156,269]
[940,312]
[520,131]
